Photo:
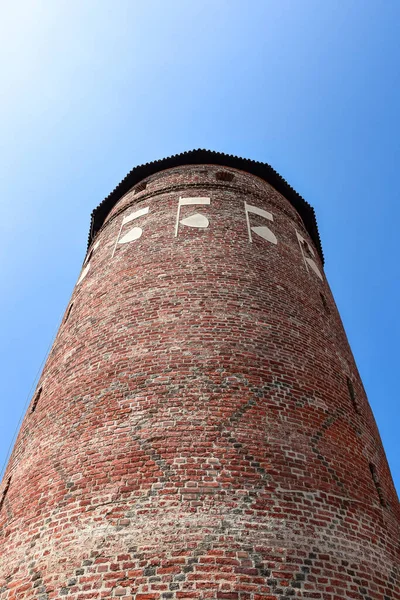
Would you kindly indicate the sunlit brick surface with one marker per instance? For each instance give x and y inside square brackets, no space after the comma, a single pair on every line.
[195,437]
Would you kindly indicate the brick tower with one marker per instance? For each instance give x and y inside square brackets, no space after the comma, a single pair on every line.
[200,430]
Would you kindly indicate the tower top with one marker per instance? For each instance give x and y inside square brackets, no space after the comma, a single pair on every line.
[201,156]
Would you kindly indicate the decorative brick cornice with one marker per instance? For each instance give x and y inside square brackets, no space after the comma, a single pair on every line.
[203,157]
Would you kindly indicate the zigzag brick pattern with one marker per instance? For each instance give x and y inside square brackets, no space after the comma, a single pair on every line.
[195,436]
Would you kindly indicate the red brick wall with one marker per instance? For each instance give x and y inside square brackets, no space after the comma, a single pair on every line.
[195,436]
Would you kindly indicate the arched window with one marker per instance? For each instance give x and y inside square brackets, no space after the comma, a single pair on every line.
[352,395]
[36,399]
[4,494]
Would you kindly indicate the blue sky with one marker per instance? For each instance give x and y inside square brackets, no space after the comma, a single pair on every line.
[91,89]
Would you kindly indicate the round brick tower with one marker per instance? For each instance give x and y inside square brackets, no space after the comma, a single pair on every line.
[200,429]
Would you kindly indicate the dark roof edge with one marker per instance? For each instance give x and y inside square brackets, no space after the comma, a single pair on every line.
[262,170]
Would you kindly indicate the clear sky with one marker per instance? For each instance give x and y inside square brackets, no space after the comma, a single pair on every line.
[91,89]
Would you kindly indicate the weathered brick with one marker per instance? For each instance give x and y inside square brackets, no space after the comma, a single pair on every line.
[196,435]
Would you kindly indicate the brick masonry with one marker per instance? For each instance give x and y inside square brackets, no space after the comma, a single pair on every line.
[194,434]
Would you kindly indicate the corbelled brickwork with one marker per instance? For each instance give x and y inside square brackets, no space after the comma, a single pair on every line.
[200,430]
